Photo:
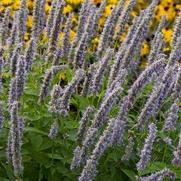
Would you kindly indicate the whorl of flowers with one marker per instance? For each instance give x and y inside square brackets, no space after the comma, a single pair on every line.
[1,67]
[157,43]
[147,148]
[36,20]
[22,18]
[56,27]
[120,79]
[90,25]
[128,149]
[4,29]
[76,159]
[135,36]
[16,133]
[177,87]
[14,33]
[88,80]
[157,97]
[20,76]
[172,117]
[175,54]
[42,21]
[105,108]
[53,130]
[101,117]
[47,81]
[177,154]
[49,23]
[68,91]
[159,176]
[66,37]
[105,35]
[84,12]
[177,31]
[14,59]
[146,76]
[86,145]
[29,54]
[12,93]
[124,18]
[98,78]
[84,122]
[90,170]
[98,13]
[80,52]
[1,115]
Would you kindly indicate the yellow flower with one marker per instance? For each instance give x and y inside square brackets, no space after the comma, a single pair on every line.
[2,9]
[97,1]
[27,37]
[16,5]
[72,35]
[113,1]
[108,10]
[6,2]
[29,21]
[47,8]
[67,9]
[167,34]
[165,10]
[30,4]
[145,49]
[74,2]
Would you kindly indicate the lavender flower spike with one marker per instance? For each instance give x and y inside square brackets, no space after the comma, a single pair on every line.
[12,93]
[16,135]
[64,100]
[97,81]
[90,169]
[47,81]
[148,146]
[53,130]
[56,93]
[1,115]
[66,38]
[4,29]
[84,123]
[20,76]
[76,159]
[159,176]
[22,18]
[177,154]
[170,121]
[51,16]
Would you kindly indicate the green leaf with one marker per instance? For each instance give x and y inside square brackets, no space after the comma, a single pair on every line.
[129,173]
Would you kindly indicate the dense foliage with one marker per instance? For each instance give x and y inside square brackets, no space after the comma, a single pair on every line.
[72,108]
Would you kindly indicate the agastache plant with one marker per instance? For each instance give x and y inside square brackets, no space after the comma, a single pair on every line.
[159,175]
[177,154]
[98,90]
[147,148]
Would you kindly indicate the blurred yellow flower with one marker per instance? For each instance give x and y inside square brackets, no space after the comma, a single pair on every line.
[167,34]
[145,49]
[67,9]
[167,11]
[16,5]
[108,10]
[72,35]
[74,2]
[29,21]
[112,2]
[6,2]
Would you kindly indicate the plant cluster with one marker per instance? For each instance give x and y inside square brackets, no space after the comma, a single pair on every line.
[66,105]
